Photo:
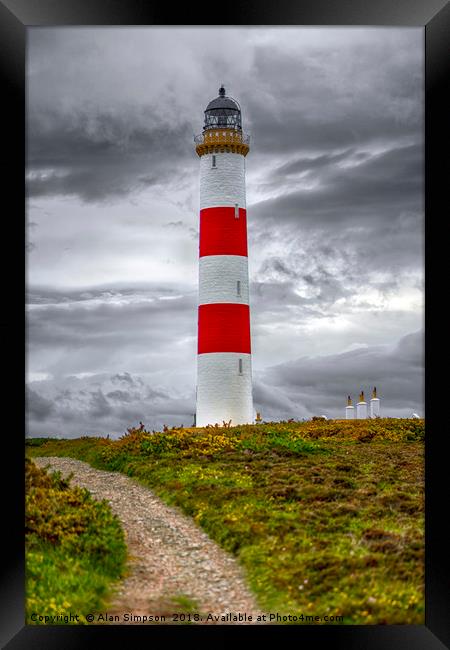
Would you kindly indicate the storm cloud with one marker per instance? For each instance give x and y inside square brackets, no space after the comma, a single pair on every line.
[76,406]
[319,385]
[101,156]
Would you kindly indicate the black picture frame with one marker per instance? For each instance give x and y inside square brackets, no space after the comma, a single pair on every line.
[15,17]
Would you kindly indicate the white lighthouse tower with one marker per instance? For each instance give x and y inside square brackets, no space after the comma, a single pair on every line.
[224,372]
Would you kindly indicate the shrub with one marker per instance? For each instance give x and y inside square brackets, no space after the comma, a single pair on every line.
[75,545]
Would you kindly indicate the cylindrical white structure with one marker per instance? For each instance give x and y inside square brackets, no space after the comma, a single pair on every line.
[224,370]
[361,411]
[375,407]
[349,412]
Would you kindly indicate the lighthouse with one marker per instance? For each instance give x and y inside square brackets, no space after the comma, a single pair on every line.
[224,370]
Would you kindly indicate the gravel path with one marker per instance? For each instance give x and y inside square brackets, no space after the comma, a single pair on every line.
[170,555]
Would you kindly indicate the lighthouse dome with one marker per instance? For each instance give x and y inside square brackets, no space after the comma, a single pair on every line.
[223,112]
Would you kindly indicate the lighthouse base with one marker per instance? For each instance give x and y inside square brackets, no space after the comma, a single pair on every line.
[224,389]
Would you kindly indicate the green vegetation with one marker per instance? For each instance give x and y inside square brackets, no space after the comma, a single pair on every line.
[75,549]
[326,517]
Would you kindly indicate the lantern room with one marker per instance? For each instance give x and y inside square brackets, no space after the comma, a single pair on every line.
[223,112]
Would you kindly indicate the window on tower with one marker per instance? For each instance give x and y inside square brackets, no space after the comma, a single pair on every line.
[236,211]
[238,287]
[213,161]
[240,366]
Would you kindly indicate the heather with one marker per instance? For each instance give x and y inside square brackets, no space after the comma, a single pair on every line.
[326,517]
[75,548]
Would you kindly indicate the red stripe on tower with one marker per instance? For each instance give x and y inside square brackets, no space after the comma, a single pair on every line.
[224,327]
[223,231]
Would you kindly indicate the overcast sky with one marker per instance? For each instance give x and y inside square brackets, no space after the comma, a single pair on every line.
[335,211]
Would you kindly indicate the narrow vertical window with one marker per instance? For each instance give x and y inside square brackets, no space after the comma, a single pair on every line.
[240,366]
[236,211]
[238,287]
[213,162]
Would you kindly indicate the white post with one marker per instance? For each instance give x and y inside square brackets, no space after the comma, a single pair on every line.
[375,408]
[374,405]
[361,408]
[349,410]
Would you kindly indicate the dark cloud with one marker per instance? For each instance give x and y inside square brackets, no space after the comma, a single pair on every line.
[410,351]
[36,295]
[357,222]
[90,406]
[101,155]
[111,328]
[379,188]
[126,378]
[335,97]
[312,98]
[99,406]
[319,385]
[38,407]
[316,163]
[152,394]
[119,396]
[108,325]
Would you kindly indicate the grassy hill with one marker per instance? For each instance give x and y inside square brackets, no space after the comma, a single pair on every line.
[327,517]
